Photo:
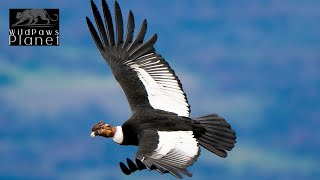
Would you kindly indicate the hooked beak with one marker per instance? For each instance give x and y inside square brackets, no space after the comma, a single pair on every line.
[93,134]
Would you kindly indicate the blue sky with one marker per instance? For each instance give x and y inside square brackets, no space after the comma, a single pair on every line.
[256,63]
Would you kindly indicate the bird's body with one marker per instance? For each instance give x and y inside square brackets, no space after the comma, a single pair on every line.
[168,139]
[155,120]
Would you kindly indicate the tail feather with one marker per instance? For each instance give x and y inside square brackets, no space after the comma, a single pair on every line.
[216,123]
[221,136]
[218,136]
[213,149]
[222,130]
[218,143]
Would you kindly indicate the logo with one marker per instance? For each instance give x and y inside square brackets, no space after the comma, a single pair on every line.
[34,27]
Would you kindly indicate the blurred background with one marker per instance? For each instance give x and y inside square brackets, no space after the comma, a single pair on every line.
[254,62]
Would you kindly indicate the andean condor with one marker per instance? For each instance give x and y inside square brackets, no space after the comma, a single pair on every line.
[167,138]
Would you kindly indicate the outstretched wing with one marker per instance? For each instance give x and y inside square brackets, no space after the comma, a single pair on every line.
[146,78]
[165,151]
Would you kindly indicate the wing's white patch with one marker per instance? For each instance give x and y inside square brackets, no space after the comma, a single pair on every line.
[162,87]
[181,144]
[118,136]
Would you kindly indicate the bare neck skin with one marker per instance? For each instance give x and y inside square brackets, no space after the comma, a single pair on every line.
[108,131]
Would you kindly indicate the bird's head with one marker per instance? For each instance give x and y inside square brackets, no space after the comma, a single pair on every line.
[103,129]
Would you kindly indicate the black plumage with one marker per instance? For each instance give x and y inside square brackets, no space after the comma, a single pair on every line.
[132,51]
[167,138]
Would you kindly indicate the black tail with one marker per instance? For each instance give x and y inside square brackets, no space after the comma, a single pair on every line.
[218,136]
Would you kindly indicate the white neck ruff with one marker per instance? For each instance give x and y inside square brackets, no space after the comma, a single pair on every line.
[118,136]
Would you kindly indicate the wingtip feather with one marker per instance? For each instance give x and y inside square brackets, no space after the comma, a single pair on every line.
[119,24]
[133,167]
[124,168]
[108,22]
[93,6]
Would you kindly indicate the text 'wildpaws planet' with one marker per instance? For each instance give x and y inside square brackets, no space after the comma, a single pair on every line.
[34,27]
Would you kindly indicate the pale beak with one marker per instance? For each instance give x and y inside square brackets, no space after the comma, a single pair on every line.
[93,134]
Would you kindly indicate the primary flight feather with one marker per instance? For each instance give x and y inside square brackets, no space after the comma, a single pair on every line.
[167,138]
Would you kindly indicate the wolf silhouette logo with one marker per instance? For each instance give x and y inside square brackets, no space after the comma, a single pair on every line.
[32,16]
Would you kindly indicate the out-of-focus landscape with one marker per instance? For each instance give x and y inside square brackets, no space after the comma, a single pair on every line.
[256,63]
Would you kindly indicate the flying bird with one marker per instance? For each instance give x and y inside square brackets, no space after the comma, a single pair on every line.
[168,139]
